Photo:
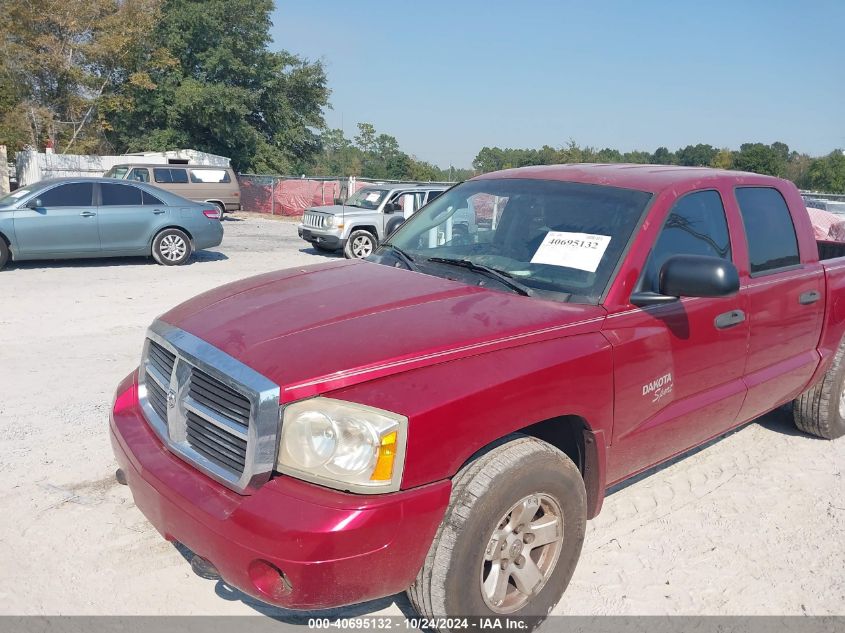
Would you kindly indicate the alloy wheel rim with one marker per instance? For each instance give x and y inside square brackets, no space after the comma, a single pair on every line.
[522,553]
[173,248]
[362,246]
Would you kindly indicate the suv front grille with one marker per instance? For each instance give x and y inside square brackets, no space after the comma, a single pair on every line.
[209,408]
[315,220]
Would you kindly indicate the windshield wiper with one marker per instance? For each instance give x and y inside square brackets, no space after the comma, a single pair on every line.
[402,256]
[499,275]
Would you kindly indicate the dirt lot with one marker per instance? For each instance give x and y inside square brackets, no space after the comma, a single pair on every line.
[753,524]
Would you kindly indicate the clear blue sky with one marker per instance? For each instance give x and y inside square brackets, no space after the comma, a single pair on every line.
[447,78]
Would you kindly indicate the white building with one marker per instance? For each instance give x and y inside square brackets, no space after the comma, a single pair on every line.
[32,166]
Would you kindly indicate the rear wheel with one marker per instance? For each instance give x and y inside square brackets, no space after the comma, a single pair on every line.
[820,411]
[4,253]
[361,244]
[172,247]
[510,539]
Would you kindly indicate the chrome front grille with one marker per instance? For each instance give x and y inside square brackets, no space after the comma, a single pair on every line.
[219,398]
[221,447]
[315,220]
[209,408]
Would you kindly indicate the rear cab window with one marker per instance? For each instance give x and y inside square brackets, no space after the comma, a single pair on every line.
[769,231]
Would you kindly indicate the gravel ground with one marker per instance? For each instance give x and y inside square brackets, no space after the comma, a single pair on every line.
[752,524]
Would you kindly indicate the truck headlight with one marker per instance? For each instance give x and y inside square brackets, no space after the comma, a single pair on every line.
[343,445]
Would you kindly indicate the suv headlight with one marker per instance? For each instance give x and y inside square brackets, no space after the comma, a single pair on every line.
[343,445]
[331,221]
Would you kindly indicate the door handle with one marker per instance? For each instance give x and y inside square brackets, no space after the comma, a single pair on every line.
[729,319]
[158,211]
[87,214]
[811,296]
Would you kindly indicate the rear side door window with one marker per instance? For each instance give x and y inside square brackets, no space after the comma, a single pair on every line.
[120,195]
[75,194]
[772,243]
[150,200]
[696,225]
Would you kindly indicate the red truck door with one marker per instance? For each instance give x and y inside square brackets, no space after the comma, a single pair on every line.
[785,293]
[678,367]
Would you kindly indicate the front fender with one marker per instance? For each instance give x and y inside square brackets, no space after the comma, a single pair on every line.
[456,408]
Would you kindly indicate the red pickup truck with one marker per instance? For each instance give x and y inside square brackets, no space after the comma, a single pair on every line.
[446,419]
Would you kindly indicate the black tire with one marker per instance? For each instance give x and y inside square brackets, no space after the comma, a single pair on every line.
[394,224]
[819,410]
[172,247]
[4,253]
[450,581]
[361,243]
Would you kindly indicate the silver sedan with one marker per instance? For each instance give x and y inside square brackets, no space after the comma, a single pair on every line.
[99,217]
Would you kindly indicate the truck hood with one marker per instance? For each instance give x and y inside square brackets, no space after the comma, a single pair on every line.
[318,328]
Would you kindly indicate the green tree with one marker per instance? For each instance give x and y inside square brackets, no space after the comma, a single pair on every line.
[761,158]
[61,62]
[662,156]
[700,155]
[828,174]
[219,89]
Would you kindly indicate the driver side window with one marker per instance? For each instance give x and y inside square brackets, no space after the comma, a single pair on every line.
[696,225]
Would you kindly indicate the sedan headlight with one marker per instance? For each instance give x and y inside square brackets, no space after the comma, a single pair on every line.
[343,445]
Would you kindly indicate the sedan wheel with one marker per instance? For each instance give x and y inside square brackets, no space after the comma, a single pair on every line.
[171,247]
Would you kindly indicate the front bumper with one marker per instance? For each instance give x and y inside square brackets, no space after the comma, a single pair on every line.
[332,548]
[315,236]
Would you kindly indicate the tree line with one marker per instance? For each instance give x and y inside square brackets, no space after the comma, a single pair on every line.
[826,173]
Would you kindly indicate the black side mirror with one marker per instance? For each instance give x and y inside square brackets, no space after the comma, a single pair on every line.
[390,207]
[692,276]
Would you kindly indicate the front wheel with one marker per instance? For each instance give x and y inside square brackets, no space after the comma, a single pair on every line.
[172,247]
[510,539]
[360,244]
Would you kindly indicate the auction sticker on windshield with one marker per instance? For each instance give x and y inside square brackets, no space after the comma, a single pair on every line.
[582,251]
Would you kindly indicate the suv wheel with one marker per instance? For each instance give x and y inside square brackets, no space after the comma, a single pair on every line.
[510,539]
[360,244]
[172,247]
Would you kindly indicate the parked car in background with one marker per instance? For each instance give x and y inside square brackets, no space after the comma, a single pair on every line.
[597,321]
[203,183]
[366,218]
[98,217]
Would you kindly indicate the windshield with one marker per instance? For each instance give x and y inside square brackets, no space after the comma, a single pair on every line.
[558,238]
[116,172]
[367,198]
[11,198]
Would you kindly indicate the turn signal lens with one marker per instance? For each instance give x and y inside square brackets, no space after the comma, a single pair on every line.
[384,462]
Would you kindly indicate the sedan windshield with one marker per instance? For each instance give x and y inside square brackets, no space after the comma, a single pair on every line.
[367,198]
[12,198]
[560,239]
